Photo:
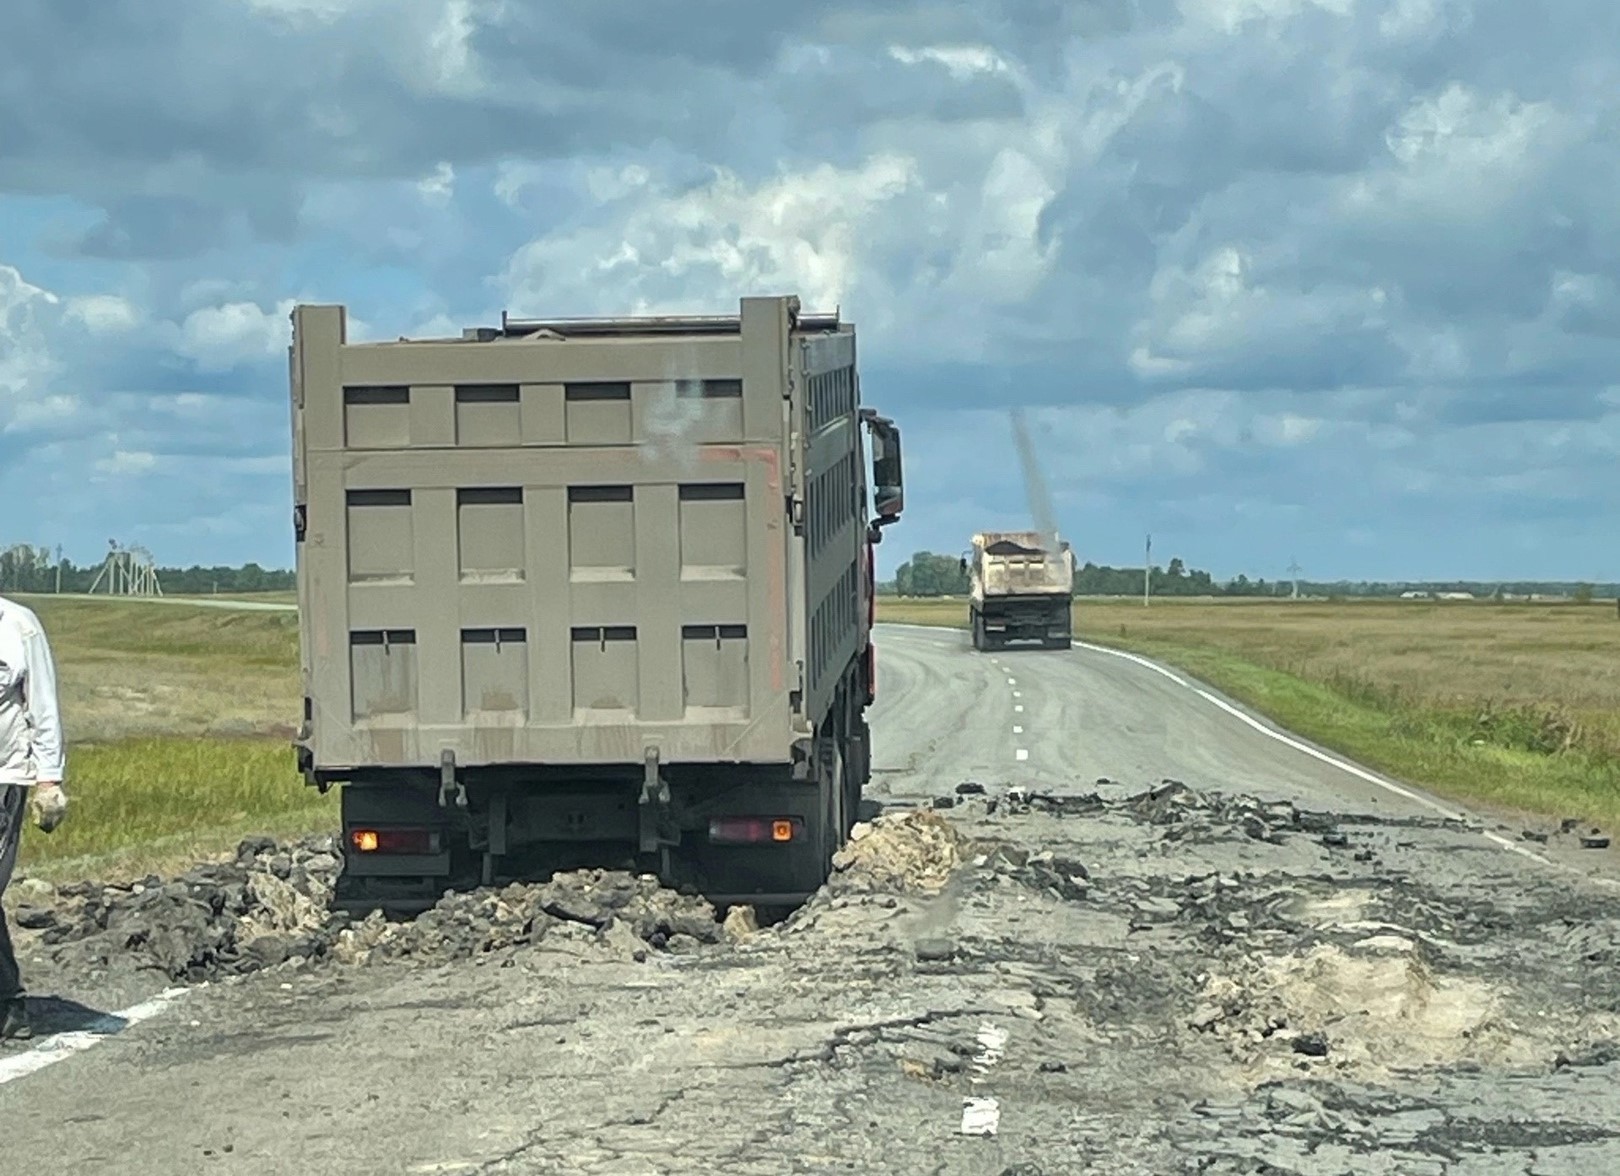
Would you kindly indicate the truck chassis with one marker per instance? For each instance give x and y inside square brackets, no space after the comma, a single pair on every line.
[1045,620]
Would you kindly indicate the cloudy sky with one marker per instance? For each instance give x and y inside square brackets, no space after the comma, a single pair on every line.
[1334,280]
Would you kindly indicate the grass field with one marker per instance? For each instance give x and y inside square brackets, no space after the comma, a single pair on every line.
[179,717]
[178,721]
[1513,706]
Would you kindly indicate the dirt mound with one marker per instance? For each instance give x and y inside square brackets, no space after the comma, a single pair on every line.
[267,905]
[272,905]
[913,852]
[1379,1002]
[624,910]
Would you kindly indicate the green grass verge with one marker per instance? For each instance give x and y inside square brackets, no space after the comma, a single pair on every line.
[1493,766]
[1444,751]
[141,805]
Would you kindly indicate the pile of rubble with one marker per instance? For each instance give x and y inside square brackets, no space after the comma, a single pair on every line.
[1188,815]
[271,904]
[627,911]
[913,852]
[268,904]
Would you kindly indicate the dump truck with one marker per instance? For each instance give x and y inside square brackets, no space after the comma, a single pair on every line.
[588,592]
[1020,588]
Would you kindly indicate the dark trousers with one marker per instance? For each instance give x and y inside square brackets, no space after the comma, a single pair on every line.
[13,807]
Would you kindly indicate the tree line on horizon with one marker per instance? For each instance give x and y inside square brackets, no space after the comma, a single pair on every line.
[25,569]
[927,573]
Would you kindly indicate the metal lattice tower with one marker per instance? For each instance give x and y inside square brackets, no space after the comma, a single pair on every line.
[1293,570]
[127,571]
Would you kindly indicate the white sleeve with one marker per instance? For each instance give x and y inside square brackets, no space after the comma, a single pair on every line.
[50,758]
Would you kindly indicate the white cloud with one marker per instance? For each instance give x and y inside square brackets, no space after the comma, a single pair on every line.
[126,461]
[674,251]
[44,412]
[218,338]
[103,314]
[324,11]
[27,367]
[1233,16]
[961,61]
[1457,154]
[439,188]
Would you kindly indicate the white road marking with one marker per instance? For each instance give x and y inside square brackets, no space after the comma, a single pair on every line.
[1331,760]
[1017,730]
[58,1046]
[981,1114]
[1019,709]
[1018,694]
[1021,754]
[1012,681]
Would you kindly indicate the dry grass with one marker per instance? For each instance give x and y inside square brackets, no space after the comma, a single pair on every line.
[178,721]
[1516,705]
[130,669]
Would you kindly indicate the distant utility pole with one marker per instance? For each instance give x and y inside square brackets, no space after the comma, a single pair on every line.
[1147,572]
[1294,570]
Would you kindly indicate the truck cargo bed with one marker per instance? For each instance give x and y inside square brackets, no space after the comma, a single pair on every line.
[582,558]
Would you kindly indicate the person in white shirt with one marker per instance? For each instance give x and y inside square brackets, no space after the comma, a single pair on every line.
[32,765]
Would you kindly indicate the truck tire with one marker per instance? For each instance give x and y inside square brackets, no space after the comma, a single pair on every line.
[838,799]
[857,771]
[977,623]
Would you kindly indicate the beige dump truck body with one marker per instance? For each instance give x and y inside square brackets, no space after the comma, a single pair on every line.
[1021,587]
[585,580]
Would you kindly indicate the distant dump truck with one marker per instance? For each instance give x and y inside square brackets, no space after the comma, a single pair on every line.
[1020,588]
[588,592]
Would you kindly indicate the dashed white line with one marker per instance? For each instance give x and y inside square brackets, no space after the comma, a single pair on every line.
[1021,754]
[1012,681]
[1017,730]
[1018,694]
[59,1046]
[981,1114]
[1019,709]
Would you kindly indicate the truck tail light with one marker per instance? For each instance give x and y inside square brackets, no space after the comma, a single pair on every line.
[755,830]
[397,840]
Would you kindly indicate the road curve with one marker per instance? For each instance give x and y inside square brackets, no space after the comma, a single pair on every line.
[1061,719]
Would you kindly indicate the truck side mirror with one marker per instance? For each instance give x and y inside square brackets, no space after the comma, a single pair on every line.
[961,564]
[888,479]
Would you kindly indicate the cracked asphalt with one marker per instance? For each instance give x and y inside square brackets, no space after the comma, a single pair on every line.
[1044,958]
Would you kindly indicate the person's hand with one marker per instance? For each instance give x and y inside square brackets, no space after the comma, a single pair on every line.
[50,804]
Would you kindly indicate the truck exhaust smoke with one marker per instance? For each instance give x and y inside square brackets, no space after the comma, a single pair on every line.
[1040,502]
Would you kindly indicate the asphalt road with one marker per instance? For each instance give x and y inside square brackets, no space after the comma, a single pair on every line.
[1150,1000]
[1053,718]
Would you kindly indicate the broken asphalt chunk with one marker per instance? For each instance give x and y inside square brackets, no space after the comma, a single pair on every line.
[1312,1045]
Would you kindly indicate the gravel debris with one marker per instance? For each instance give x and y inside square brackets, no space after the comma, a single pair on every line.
[910,852]
[271,905]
